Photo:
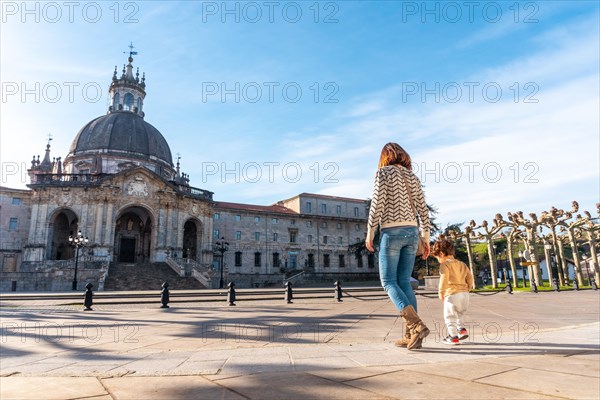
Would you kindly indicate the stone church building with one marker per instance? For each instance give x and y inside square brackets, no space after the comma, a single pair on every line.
[119,187]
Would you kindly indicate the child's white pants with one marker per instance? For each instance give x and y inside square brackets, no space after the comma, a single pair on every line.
[455,307]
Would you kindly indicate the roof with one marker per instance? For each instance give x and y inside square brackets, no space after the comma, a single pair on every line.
[253,207]
[327,197]
[121,132]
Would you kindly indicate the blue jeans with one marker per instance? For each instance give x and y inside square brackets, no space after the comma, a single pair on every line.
[397,250]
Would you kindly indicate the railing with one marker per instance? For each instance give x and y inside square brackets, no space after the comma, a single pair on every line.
[196,192]
[67,179]
[292,277]
[179,270]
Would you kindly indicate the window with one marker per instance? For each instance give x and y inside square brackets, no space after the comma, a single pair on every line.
[217,216]
[293,261]
[371,260]
[309,237]
[357,227]
[339,226]
[342,261]
[276,260]
[257,260]
[274,221]
[356,211]
[128,102]
[16,201]
[293,237]
[324,208]
[308,206]
[238,258]
[275,236]
[309,224]
[293,222]
[340,240]
[311,260]
[325,239]
[238,235]
[216,234]
[12,224]
[324,225]
[359,260]
[257,219]
[338,210]
[326,260]
[256,235]
[238,218]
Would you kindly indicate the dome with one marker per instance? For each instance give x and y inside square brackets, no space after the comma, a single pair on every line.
[122,133]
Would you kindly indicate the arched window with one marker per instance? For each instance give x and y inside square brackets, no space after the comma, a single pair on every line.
[116,101]
[139,104]
[128,102]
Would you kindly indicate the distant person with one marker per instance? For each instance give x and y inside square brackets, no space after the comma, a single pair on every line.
[397,199]
[456,281]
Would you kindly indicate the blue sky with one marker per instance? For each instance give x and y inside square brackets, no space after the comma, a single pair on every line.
[497,102]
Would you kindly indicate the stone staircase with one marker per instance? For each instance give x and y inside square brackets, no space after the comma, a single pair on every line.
[146,276]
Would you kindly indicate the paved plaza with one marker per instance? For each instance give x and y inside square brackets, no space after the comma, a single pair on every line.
[521,346]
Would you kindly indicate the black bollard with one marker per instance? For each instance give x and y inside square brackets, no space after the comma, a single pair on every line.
[289,295]
[534,288]
[89,298]
[575,284]
[509,288]
[231,294]
[338,291]
[594,284]
[164,295]
[555,284]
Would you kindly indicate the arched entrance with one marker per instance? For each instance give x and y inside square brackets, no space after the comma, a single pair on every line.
[190,240]
[61,226]
[133,235]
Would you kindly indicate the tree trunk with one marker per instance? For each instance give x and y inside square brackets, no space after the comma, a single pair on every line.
[513,267]
[493,266]
[470,258]
[578,273]
[594,256]
[559,259]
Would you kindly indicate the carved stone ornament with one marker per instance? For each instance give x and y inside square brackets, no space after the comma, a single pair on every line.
[137,187]
[195,209]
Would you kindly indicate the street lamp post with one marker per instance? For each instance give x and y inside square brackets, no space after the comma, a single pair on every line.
[77,242]
[221,246]
[553,269]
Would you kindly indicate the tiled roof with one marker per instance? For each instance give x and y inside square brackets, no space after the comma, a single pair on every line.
[253,207]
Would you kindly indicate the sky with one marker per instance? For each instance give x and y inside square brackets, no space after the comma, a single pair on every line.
[496,102]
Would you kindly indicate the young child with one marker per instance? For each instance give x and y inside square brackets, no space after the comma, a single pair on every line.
[456,281]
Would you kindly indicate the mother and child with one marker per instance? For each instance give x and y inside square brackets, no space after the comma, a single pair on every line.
[399,210]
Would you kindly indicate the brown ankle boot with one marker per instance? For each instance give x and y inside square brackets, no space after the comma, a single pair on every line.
[406,339]
[418,330]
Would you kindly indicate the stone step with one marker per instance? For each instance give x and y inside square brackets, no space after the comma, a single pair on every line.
[146,276]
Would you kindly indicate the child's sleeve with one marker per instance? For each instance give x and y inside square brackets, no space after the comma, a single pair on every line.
[443,281]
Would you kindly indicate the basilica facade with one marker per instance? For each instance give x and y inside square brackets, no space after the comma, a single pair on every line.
[119,187]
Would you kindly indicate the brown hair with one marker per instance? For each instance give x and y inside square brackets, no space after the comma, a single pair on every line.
[393,153]
[442,248]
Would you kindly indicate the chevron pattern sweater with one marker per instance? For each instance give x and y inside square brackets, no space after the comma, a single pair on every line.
[390,205]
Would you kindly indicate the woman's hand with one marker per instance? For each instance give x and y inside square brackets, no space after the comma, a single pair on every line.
[426,251]
[369,245]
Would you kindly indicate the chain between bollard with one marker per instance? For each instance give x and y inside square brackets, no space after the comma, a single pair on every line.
[231,293]
[89,298]
[164,295]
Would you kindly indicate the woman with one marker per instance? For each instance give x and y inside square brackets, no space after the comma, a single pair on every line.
[394,213]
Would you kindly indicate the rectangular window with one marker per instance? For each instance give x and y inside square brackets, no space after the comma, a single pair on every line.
[325,239]
[275,237]
[339,226]
[238,217]
[293,237]
[309,224]
[359,260]
[340,240]
[309,237]
[257,260]
[326,260]
[274,220]
[293,222]
[257,219]
[216,216]
[256,235]
[238,235]
[371,260]
[16,201]
[342,261]
[12,224]
[338,210]
[238,258]
[323,208]
[324,225]
[216,234]
[276,260]
[356,211]
[311,260]
[308,206]
[357,227]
